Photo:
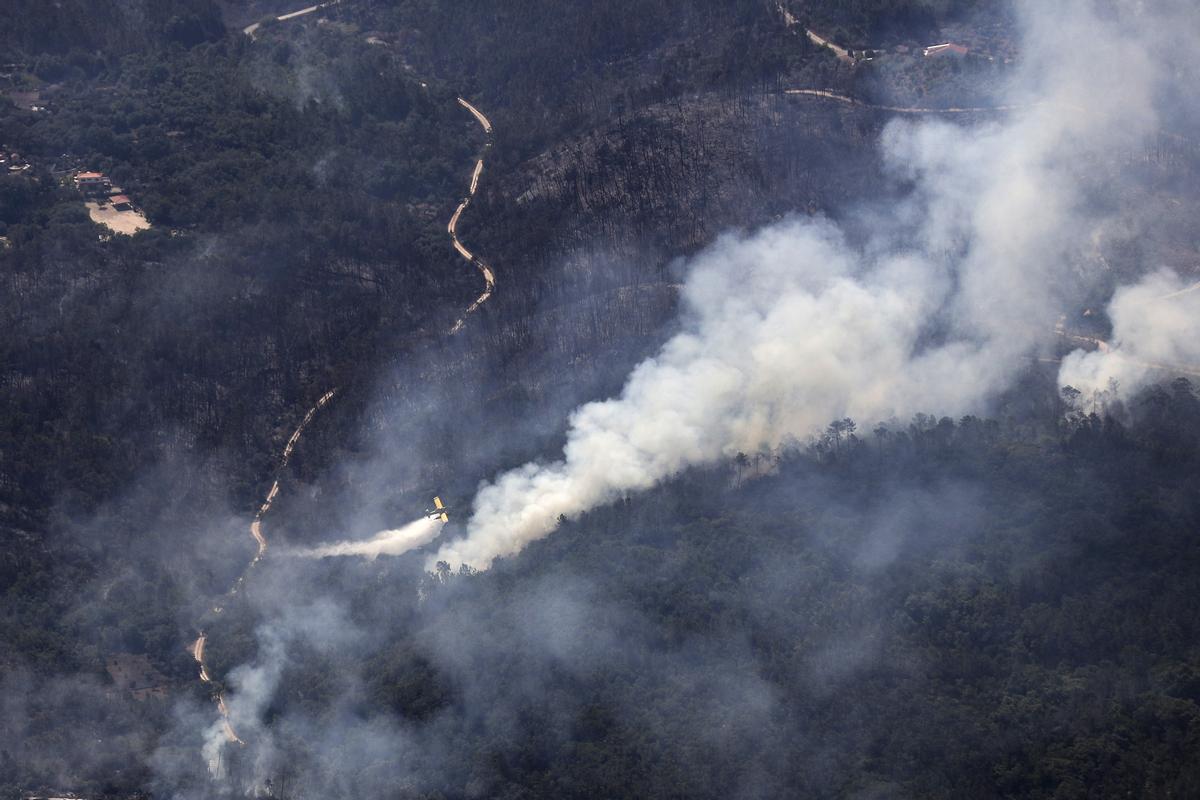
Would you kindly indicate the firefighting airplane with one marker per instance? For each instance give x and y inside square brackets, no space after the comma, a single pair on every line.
[439,511]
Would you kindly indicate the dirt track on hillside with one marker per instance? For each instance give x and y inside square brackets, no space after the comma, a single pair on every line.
[489,278]
[256,525]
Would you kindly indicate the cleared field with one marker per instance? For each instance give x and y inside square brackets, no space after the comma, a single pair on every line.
[126,222]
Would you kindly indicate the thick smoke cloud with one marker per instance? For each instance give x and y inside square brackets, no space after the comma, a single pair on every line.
[935,309]
[1154,328]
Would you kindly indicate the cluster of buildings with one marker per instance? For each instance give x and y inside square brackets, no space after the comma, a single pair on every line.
[11,162]
[97,184]
[92,183]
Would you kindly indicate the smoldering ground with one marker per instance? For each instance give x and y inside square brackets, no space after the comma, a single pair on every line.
[102,741]
[134,576]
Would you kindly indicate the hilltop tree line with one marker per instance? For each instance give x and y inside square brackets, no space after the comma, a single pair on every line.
[865,21]
[49,31]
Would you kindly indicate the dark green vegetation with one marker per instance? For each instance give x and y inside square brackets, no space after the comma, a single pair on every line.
[970,609]
[985,609]
[866,23]
[75,28]
[293,225]
[299,188]
[944,609]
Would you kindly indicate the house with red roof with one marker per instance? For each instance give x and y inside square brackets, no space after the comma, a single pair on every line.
[92,182]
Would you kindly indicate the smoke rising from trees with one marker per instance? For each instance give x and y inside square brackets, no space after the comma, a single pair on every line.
[1154,324]
[934,310]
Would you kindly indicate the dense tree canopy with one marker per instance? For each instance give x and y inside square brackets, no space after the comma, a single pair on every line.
[980,607]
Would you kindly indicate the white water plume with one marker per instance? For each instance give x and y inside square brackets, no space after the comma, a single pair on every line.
[386,543]
[795,326]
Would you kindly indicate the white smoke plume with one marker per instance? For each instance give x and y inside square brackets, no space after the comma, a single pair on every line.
[322,624]
[1155,326]
[385,543]
[794,326]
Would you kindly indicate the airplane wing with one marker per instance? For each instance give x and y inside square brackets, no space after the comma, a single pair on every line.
[444,518]
[437,502]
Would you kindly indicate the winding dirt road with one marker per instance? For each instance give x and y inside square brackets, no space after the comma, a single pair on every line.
[261,541]
[487,126]
[489,278]
[198,654]
[821,41]
[789,21]
[256,532]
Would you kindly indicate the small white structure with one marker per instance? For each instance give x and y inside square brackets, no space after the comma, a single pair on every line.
[947,49]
